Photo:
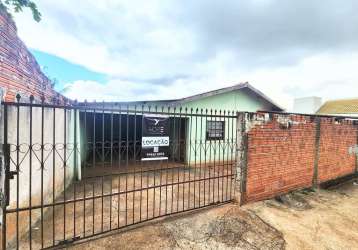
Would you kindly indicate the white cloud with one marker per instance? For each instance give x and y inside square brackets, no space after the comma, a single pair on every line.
[324,76]
[166,49]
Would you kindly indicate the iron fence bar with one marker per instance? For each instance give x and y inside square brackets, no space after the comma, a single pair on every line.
[225,156]
[119,161]
[228,146]
[30,176]
[141,177]
[188,160]
[232,159]
[147,215]
[6,178]
[84,174]
[74,209]
[102,191]
[64,170]
[195,152]
[223,146]
[53,169]
[218,150]
[93,165]
[229,155]
[75,169]
[42,173]
[127,146]
[200,154]
[174,142]
[156,112]
[205,153]
[154,175]
[190,149]
[214,155]
[210,149]
[134,157]
[147,174]
[178,178]
[166,179]
[93,209]
[17,170]
[110,201]
[37,105]
[160,180]
[234,145]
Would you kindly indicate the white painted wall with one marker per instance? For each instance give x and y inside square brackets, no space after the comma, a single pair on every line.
[307,105]
[53,173]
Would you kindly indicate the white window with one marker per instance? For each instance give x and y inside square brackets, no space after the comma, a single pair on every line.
[215,130]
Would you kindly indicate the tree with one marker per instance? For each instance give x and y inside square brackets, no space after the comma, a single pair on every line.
[18,5]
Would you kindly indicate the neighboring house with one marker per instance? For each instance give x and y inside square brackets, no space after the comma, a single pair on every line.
[20,74]
[185,129]
[19,71]
[343,107]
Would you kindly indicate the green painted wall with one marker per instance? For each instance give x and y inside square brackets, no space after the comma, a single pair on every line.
[207,152]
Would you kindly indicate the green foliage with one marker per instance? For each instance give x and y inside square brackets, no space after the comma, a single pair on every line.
[18,5]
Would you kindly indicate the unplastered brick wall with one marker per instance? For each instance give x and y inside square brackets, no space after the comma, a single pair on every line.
[280,155]
[285,151]
[336,149]
[19,71]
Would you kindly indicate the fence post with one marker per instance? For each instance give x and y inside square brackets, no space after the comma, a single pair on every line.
[241,158]
[316,154]
[6,164]
[356,148]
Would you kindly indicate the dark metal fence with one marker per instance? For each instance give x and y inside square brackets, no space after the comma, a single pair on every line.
[73,172]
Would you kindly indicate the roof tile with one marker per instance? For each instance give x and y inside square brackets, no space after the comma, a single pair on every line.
[347,106]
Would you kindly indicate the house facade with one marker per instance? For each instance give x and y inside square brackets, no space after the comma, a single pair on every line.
[201,126]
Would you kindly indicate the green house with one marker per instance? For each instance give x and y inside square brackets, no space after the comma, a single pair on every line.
[202,127]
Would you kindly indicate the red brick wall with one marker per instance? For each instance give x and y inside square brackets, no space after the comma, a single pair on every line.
[281,158]
[19,71]
[335,158]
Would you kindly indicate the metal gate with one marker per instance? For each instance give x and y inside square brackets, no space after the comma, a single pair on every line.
[77,171]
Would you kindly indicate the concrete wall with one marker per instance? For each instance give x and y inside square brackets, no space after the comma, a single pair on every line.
[53,175]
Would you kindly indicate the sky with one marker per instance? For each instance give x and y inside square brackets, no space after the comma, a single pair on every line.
[121,50]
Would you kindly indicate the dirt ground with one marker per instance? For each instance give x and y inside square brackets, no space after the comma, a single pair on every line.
[103,203]
[309,219]
[327,219]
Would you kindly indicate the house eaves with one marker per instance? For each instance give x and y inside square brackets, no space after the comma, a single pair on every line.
[240,86]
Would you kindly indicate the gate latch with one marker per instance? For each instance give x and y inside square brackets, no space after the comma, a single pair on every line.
[11,174]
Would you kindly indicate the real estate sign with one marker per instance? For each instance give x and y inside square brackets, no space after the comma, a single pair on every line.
[155,137]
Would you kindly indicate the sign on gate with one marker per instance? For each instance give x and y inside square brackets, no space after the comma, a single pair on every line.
[155,137]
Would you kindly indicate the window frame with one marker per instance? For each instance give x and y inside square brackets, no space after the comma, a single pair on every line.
[210,131]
